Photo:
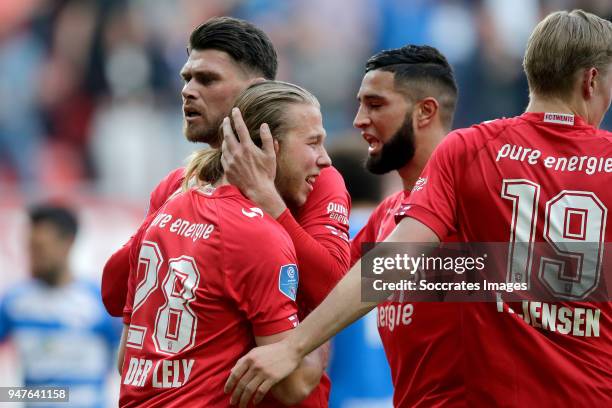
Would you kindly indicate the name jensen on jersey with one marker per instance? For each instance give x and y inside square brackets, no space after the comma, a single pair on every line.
[166,373]
[182,227]
[575,321]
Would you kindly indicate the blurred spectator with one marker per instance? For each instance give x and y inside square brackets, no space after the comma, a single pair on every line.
[21,57]
[89,89]
[491,81]
[402,23]
[65,104]
[58,324]
[319,43]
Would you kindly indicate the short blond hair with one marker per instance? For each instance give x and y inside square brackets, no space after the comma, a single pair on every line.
[561,45]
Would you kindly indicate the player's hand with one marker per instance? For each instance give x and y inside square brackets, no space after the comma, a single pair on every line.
[259,370]
[240,153]
[248,167]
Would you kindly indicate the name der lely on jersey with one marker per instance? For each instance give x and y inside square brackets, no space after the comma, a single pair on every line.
[588,165]
[166,373]
[183,228]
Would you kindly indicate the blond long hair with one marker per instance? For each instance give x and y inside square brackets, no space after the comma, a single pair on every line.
[263,102]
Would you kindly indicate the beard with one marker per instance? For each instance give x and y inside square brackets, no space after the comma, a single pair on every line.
[395,153]
[204,133]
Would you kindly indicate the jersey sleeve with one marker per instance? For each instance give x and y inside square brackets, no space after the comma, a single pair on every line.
[114,280]
[164,189]
[432,200]
[262,276]
[116,273]
[116,270]
[320,235]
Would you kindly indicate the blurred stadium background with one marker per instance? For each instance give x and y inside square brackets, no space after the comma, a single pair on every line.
[90,110]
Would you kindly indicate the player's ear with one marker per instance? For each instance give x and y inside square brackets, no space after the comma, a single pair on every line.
[256,80]
[589,77]
[276,146]
[425,112]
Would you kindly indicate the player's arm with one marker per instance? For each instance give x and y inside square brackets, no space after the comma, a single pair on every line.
[320,236]
[296,386]
[114,280]
[269,364]
[117,272]
[121,353]
[321,243]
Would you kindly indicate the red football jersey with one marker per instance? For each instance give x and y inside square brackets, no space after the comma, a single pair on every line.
[320,238]
[419,338]
[213,271]
[539,177]
[169,185]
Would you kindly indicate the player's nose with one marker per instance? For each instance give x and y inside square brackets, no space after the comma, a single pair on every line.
[188,91]
[361,119]
[324,160]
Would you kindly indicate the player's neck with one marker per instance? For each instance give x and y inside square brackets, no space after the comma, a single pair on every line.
[553,105]
[221,182]
[427,141]
[409,175]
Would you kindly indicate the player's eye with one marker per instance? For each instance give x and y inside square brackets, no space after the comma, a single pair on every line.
[205,79]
